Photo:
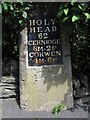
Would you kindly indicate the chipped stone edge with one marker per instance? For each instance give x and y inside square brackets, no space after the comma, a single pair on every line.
[22,64]
[66,57]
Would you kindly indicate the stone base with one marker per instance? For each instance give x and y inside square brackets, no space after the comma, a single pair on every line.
[46,87]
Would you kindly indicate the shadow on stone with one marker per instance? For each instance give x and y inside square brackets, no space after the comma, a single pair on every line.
[53,76]
[10,80]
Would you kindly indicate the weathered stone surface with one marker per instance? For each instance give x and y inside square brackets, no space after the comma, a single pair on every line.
[8,79]
[8,93]
[9,87]
[81,88]
[6,67]
[43,87]
[0,91]
[10,67]
[81,92]
[81,101]
[84,80]
[76,83]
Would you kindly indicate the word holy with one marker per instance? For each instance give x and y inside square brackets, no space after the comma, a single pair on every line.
[40,22]
[36,25]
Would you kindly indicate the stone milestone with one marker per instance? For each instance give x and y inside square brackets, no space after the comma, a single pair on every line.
[45,65]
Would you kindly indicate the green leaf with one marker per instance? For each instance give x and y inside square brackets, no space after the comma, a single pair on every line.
[5,6]
[83,8]
[80,7]
[87,15]
[20,21]
[73,1]
[85,4]
[66,18]
[30,5]
[75,18]
[24,14]
[66,11]
[27,8]
[57,109]
[61,106]
[60,13]
[11,7]
[61,6]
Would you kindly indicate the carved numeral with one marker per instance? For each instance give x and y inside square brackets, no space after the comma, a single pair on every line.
[43,35]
